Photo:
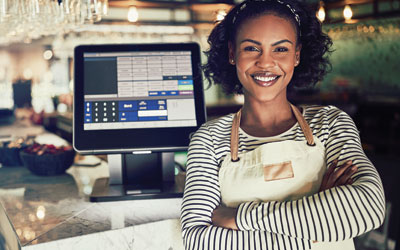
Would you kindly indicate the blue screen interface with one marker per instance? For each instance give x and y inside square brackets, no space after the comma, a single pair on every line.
[138,90]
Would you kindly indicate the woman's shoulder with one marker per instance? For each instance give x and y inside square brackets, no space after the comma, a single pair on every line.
[219,123]
[218,126]
[327,117]
[322,111]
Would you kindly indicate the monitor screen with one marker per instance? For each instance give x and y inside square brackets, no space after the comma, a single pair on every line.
[136,97]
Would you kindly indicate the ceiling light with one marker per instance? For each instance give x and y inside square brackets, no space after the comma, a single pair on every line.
[133,14]
[321,12]
[105,7]
[48,54]
[221,15]
[347,12]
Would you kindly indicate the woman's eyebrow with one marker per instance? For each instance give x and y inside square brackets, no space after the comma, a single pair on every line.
[274,44]
[250,40]
[281,41]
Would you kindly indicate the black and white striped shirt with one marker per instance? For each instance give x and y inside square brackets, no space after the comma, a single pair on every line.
[335,214]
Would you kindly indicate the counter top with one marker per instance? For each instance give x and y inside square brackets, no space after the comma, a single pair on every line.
[54,212]
[46,209]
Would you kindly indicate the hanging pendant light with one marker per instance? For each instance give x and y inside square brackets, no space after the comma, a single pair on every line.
[105,7]
[220,15]
[347,12]
[321,12]
[133,14]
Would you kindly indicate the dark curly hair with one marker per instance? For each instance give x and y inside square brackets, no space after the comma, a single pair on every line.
[314,64]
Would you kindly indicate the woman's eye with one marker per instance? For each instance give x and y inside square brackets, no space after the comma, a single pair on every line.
[281,49]
[251,48]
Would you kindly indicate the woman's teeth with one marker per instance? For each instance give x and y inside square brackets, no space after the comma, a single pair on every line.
[265,78]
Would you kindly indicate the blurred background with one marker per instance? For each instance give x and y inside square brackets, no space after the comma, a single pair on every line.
[37,39]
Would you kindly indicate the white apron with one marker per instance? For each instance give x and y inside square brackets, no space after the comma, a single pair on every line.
[280,170]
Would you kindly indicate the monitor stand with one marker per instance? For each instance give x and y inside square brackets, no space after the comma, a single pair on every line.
[138,176]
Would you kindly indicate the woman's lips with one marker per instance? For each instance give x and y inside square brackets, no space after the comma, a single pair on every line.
[265,80]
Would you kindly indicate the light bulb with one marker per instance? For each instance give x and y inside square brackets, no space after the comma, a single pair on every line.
[48,54]
[41,212]
[133,14]
[347,12]
[321,13]
[221,15]
[105,7]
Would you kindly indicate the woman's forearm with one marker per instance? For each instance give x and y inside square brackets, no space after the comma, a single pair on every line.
[335,214]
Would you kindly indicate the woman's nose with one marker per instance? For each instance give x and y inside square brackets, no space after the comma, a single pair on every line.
[265,60]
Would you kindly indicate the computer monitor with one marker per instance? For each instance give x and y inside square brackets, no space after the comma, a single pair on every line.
[138,103]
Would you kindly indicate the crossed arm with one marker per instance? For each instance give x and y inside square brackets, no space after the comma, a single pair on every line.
[341,210]
[335,176]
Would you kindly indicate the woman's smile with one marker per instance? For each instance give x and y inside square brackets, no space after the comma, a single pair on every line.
[265,79]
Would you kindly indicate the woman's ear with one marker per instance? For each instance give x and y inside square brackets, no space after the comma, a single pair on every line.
[231,53]
[297,55]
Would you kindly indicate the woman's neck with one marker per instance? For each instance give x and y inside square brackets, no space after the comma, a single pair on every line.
[267,118]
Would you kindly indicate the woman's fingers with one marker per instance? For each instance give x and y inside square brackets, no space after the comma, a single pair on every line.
[341,169]
[346,175]
[327,175]
[332,167]
[349,181]
[338,175]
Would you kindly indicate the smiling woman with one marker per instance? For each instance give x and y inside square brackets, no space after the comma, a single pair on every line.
[265,53]
[313,63]
[274,175]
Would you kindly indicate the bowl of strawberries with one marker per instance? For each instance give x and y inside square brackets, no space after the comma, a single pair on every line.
[47,159]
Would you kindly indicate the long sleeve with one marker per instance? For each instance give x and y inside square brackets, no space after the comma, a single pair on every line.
[335,214]
[202,196]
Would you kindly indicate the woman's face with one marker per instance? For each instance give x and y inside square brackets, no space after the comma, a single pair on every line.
[265,54]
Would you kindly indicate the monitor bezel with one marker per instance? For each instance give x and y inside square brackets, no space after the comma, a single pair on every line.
[133,140]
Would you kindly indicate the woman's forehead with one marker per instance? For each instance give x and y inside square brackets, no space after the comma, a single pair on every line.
[266,26]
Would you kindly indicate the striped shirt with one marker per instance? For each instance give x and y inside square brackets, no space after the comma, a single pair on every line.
[335,214]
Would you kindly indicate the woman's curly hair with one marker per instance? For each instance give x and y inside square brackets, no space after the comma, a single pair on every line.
[314,64]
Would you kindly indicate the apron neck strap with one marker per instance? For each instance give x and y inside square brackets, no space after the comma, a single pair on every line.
[236,124]
[235,135]
[303,125]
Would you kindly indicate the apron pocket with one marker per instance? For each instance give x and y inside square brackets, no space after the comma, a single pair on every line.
[278,171]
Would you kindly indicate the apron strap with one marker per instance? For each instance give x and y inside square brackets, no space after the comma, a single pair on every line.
[236,124]
[303,125]
[235,136]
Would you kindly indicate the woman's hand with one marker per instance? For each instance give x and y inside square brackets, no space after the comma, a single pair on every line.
[338,175]
[224,217]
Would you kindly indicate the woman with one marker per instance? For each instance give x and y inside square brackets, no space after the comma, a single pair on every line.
[259,179]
